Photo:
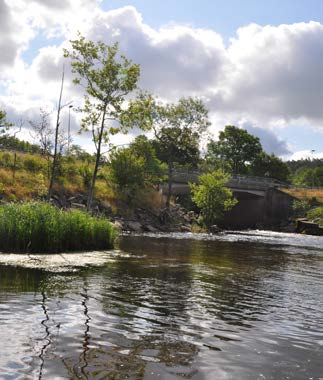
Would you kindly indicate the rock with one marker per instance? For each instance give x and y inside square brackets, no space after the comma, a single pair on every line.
[187,218]
[56,200]
[79,206]
[150,228]
[215,229]
[185,228]
[55,203]
[134,226]
[289,228]
[305,226]
[105,209]
[118,225]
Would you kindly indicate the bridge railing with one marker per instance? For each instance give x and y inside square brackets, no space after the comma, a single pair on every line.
[192,176]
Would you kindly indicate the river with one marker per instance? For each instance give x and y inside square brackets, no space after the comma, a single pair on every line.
[243,306]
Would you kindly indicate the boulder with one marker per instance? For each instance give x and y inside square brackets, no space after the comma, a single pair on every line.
[105,209]
[215,229]
[150,228]
[305,226]
[134,226]
[118,225]
[185,228]
[79,206]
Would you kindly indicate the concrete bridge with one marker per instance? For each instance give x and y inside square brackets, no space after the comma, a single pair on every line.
[261,203]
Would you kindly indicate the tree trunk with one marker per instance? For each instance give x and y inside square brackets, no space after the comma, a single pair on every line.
[97,163]
[52,178]
[95,173]
[170,182]
[14,168]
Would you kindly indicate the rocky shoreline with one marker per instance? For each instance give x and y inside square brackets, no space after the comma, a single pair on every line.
[174,219]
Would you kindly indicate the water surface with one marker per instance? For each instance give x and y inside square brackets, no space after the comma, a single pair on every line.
[235,306]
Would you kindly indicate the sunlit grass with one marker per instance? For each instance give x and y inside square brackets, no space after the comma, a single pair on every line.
[316,214]
[305,194]
[42,228]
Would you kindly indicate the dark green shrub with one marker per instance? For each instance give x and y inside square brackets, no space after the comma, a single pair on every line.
[33,164]
[300,207]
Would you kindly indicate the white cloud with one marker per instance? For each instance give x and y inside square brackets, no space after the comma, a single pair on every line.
[267,77]
[277,71]
[305,154]
[270,142]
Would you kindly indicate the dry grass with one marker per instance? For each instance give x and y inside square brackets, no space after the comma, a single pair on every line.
[305,194]
[151,199]
[30,181]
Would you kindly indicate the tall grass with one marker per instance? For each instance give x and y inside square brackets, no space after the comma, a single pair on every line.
[42,228]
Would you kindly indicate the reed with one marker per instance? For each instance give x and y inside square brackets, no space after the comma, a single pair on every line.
[39,227]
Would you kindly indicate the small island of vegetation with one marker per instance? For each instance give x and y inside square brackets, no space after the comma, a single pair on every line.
[38,227]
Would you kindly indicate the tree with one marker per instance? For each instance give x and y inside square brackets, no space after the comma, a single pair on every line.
[307,176]
[177,130]
[107,79]
[43,134]
[212,197]
[58,140]
[135,168]
[127,173]
[4,124]
[235,147]
[143,149]
[270,166]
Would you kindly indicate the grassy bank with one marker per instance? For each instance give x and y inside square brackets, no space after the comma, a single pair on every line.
[305,194]
[42,228]
[316,215]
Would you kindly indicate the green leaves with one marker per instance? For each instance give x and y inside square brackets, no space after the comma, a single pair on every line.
[270,166]
[212,197]
[107,79]
[235,147]
[4,124]
[135,168]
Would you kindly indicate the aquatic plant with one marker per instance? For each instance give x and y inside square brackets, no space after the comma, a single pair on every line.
[42,228]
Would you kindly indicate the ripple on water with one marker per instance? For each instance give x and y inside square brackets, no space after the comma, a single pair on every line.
[233,307]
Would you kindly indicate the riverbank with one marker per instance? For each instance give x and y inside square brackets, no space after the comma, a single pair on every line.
[136,219]
[174,219]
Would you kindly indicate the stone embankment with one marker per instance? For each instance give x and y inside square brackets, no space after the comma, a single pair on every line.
[174,219]
[305,226]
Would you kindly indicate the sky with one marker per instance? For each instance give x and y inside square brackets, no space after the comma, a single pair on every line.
[256,64]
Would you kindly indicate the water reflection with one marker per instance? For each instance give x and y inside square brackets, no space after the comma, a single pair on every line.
[46,339]
[169,309]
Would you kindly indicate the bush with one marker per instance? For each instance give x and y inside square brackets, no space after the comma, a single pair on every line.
[212,197]
[300,207]
[127,174]
[40,227]
[6,159]
[33,164]
[316,214]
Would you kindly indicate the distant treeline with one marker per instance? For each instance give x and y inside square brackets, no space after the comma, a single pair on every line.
[15,144]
